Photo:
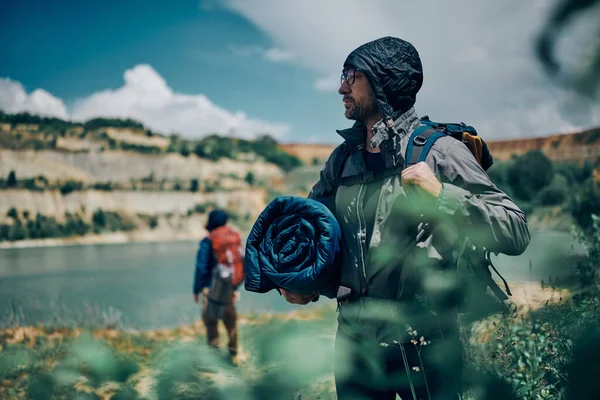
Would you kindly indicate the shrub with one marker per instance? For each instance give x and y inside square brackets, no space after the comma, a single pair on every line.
[585,203]
[151,220]
[106,186]
[70,186]
[43,227]
[201,208]
[17,232]
[74,225]
[184,150]
[250,179]
[554,194]
[109,221]
[12,213]
[194,185]
[12,179]
[530,173]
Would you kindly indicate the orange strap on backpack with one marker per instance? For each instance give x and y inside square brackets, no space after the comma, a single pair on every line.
[476,145]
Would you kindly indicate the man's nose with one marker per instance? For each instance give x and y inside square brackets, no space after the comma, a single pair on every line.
[344,88]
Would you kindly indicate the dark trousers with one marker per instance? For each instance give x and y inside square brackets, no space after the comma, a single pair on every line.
[367,370]
[212,326]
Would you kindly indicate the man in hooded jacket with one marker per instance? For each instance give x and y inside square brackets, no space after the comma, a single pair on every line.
[381,348]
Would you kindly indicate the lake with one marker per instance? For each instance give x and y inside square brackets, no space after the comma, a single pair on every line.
[149,285]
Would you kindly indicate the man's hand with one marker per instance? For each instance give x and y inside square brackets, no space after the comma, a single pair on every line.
[422,176]
[236,296]
[295,298]
[196,300]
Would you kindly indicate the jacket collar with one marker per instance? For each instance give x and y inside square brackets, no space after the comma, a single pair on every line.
[390,147]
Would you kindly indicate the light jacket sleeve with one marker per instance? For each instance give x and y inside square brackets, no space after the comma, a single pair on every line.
[484,213]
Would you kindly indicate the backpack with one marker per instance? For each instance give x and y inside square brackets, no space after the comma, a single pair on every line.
[472,263]
[227,249]
[424,136]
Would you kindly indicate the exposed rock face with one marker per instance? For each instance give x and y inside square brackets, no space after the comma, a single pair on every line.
[53,203]
[122,166]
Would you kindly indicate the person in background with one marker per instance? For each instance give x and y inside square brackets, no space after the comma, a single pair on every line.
[221,250]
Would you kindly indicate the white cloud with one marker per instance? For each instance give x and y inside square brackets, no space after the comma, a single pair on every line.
[14,99]
[479,70]
[328,83]
[145,96]
[276,54]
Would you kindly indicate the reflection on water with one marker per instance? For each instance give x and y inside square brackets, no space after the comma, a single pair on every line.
[147,285]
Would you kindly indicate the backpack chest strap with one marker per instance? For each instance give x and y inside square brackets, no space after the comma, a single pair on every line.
[368,176]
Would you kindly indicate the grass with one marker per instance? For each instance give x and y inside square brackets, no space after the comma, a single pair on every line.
[170,363]
[282,356]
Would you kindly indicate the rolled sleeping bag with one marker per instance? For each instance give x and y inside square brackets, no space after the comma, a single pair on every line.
[294,244]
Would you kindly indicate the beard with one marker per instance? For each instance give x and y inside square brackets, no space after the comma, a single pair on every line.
[363,109]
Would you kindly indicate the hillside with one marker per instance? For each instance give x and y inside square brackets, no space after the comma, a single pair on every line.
[113,180]
[576,146]
[310,154]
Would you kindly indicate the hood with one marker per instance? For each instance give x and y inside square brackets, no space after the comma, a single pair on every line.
[394,70]
[216,218]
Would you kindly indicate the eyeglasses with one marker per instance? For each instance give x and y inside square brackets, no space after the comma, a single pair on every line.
[348,77]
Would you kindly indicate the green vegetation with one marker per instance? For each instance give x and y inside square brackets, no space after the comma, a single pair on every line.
[43,227]
[202,208]
[98,123]
[552,353]
[534,182]
[58,362]
[150,220]
[110,221]
[250,179]
[70,186]
[194,185]
[51,125]
[12,179]
[213,147]
[216,147]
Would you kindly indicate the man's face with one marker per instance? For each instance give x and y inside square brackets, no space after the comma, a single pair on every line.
[359,100]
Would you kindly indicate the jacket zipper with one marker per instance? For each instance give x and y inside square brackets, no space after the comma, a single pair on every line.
[361,237]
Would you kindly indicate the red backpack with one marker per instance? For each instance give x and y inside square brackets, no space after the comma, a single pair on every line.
[227,248]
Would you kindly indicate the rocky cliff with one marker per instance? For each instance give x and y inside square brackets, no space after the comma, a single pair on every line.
[121,166]
[53,203]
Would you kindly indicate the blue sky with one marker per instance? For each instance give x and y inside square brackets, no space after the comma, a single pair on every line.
[250,66]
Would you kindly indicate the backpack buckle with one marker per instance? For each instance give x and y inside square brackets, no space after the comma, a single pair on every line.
[419,140]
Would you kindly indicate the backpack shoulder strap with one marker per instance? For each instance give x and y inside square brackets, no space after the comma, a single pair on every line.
[338,166]
[420,142]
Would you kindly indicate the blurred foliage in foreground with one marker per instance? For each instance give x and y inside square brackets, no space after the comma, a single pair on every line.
[546,353]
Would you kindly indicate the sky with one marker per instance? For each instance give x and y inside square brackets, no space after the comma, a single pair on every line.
[248,67]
